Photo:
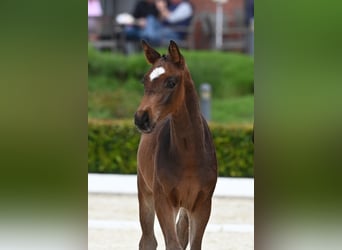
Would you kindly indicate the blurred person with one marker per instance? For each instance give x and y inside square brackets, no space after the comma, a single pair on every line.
[142,10]
[133,24]
[175,16]
[94,23]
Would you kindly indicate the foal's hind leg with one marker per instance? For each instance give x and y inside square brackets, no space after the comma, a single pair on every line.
[146,212]
[183,228]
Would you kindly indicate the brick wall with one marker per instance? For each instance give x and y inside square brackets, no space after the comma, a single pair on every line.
[209,6]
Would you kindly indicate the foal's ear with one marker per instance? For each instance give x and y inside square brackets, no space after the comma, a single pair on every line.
[151,55]
[175,55]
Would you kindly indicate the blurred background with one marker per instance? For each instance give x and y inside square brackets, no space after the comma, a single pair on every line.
[216,24]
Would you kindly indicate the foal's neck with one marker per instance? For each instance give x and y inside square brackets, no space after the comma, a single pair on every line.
[186,124]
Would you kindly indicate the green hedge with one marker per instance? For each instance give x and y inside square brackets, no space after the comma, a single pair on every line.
[231,74]
[112,148]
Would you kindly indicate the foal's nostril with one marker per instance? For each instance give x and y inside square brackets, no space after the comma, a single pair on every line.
[141,120]
[136,118]
[144,118]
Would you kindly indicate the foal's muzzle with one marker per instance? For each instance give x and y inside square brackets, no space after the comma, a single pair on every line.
[143,122]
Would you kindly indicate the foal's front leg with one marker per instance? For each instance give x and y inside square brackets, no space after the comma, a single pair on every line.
[167,214]
[198,222]
[146,212]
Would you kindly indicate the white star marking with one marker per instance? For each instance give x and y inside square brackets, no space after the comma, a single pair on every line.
[156,73]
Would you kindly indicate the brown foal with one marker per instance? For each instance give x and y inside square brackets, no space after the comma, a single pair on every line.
[177,167]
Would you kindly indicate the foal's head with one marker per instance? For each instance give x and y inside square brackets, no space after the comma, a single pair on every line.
[163,85]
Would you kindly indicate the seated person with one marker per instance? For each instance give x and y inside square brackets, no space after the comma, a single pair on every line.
[142,10]
[173,16]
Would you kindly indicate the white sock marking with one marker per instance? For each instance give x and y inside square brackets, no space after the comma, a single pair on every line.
[156,73]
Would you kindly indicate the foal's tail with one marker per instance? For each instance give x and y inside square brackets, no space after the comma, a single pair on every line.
[183,228]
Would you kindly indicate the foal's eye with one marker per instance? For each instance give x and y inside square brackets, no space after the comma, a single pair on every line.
[170,83]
